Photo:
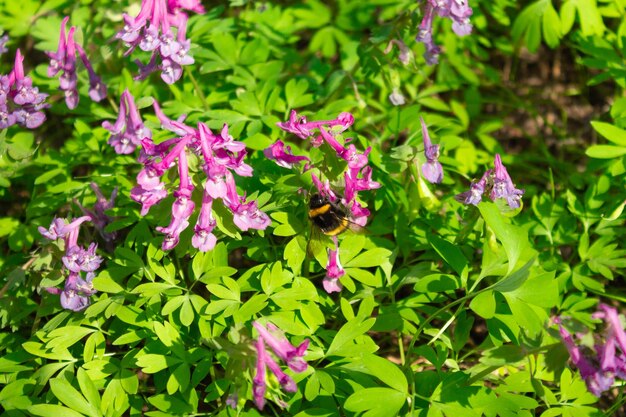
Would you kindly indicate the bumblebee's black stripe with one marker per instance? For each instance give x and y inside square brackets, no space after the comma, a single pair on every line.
[329,217]
[340,228]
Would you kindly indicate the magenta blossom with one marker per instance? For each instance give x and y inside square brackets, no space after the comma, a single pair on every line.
[357,175]
[64,61]
[220,156]
[334,271]
[431,169]
[128,130]
[20,102]
[152,30]
[299,126]
[77,291]
[497,184]
[476,191]
[275,339]
[458,11]
[503,186]
[605,360]
[283,155]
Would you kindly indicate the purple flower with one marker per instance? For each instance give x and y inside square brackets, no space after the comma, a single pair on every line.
[284,350]
[303,129]
[61,229]
[245,215]
[596,379]
[334,271]
[356,161]
[281,347]
[284,380]
[20,102]
[97,89]
[497,183]
[219,156]
[151,30]
[431,169]
[601,363]
[283,156]
[182,208]
[64,61]
[203,239]
[503,186]
[3,44]
[259,386]
[77,292]
[128,130]
[456,10]
[232,400]
[76,260]
[475,193]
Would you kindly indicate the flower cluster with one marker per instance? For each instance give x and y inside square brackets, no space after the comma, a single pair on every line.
[64,61]
[431,169]
[151,31]
[497,183]
[357,177]
[128,130]
[458,11]
[601,364]
[77,261]
[20,102]
[291,355]
[220,154]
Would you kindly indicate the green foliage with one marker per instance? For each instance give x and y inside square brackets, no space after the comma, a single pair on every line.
[446,308]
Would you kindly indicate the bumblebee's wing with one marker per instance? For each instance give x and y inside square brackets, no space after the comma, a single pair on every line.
[318,244]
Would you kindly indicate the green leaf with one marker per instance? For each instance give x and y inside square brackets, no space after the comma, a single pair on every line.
[52,410]
[514,280]
[611,132]
[348,332]
[69,396]
[484,304]
[605,151]
[152,363]
[551,25]
[449,252]
[376,402]
[514,239]
[88,388]
[386,371]
[104,283]
[371,258]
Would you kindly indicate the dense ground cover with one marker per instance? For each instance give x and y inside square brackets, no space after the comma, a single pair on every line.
[352,208]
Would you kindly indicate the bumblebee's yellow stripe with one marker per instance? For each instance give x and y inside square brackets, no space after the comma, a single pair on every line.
[343,226]
[318,211]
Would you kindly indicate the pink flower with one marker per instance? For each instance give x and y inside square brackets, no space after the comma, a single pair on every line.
[152,30]
[284,350]
[334,271]
[431,169]
[282,155]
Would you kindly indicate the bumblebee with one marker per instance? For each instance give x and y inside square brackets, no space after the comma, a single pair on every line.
[329,217]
